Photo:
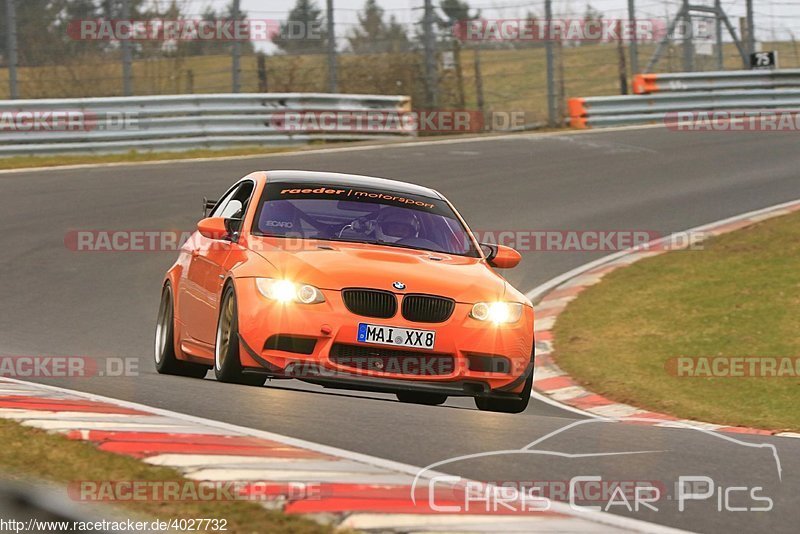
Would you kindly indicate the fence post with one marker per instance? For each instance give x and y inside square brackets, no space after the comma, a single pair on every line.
[623,72]
[688,35]
[125,44]
[431,75]
[552,110]
[718,29]
[751,29]
[333,75]
[634,45]
[11,48]
[262,74]
[479,81]
[236,54]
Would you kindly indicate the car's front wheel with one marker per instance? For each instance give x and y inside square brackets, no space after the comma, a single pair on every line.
[227,365]
[166,361]
[417,397]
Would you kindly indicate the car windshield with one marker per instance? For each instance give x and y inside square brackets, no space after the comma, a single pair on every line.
[338,213]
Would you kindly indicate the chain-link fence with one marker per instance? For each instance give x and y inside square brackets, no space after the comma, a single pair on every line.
[76,48]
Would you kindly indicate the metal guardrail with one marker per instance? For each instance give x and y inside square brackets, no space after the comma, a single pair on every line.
[715,81]
[754,91]
[183,122]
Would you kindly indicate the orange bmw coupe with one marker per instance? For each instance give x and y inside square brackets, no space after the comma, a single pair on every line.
[350,282]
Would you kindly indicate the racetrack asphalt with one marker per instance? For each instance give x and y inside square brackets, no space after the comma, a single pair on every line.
[103,305]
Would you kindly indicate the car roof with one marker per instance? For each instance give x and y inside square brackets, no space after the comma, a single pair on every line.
[351,180]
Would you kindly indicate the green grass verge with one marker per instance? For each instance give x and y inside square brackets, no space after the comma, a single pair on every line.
[740,296]
[31,453]
[22,162]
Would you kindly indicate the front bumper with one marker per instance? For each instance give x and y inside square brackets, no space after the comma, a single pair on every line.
[328,326]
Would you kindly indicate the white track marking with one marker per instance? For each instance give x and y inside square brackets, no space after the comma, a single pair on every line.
[205,460]
[547,400]
[411,523]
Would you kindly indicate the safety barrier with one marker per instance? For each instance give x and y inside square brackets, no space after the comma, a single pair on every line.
[775,92]
[716,81]
[184,122]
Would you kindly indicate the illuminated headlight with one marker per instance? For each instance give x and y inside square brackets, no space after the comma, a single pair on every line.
[288,291]
[497,312]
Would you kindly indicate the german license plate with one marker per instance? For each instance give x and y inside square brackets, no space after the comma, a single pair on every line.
[399,337]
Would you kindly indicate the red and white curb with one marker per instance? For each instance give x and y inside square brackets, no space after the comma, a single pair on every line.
[553,385]
[352,490]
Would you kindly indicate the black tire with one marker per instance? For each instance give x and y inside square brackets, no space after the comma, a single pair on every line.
[227,365]
[515,404]
[419,397]
[164,354]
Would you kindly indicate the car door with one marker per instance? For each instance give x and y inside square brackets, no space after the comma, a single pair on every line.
[210,261]
[196,307]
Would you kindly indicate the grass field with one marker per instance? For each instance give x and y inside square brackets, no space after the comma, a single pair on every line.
[740,297]
[22,162]
[34,454]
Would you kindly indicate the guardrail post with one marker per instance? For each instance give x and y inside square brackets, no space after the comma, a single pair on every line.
[11,48]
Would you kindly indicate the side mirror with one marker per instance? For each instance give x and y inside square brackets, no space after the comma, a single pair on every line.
[213,228]
[501,256]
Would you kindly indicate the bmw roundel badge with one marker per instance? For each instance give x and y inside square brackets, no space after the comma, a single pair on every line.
[399,285]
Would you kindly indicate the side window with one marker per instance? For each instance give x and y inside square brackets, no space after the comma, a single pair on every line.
[217,211]
[232,210]
[234,204]
[237,207]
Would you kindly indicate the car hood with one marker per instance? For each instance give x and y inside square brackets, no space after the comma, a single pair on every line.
[334,265]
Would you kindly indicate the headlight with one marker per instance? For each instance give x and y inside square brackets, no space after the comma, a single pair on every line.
[497,312]
[288,291]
